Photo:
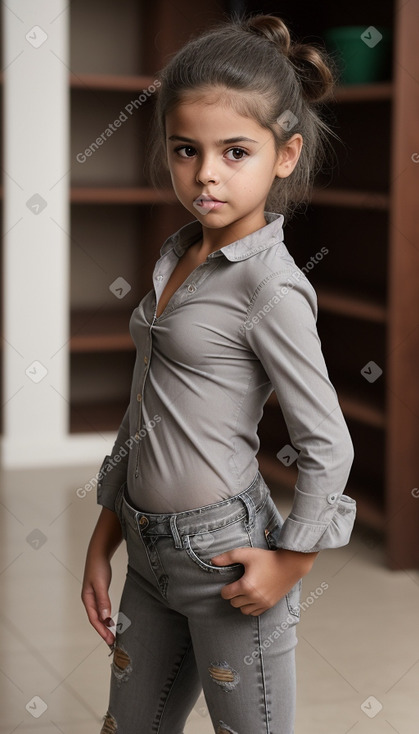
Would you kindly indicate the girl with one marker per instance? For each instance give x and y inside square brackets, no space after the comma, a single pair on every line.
[211,597]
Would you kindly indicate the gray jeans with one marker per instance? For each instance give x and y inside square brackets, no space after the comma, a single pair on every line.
[176,635]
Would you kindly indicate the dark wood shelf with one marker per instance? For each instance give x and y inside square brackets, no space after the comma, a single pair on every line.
[111,82]
[351,304]
[121,195]
[363,92]
[96,417]
[105,330]
[355,408]
[149,195]
[350,198]
[121,82]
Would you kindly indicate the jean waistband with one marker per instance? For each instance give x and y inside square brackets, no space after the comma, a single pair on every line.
[210,517]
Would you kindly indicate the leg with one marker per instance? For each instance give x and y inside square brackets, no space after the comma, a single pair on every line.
[246,664]
[154,679]
[247,668]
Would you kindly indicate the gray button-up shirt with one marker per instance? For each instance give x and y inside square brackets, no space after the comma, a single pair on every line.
[241,325]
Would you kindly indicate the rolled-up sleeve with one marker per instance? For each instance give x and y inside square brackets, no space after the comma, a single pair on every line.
[281,330]
[113,470]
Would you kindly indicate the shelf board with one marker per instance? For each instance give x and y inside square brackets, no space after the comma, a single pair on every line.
[274,473]
[355,408]
[350,198]
[138,82]
[111,82]
[363,92]
[100,417]
[351,304]
[149,195]
[105,330]
[121,195]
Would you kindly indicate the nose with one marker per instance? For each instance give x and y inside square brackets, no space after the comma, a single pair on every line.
[207,172]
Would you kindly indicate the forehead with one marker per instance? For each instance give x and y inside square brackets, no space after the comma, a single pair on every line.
[215,111]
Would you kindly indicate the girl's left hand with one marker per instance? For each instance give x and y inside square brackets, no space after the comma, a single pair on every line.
[268,576]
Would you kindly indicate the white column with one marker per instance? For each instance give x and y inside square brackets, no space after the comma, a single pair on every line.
[36,230]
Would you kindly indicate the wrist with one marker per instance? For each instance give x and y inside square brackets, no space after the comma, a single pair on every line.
[303,561]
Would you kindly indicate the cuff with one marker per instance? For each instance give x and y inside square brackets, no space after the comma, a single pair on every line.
[106,490]
[334,518]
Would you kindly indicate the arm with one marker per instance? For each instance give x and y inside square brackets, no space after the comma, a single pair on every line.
[286,341]
[107,534]
[105,540]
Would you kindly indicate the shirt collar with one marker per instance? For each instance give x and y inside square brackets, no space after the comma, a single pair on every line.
[250,245]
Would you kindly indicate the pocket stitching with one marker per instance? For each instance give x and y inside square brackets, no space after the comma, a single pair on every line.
[202,564]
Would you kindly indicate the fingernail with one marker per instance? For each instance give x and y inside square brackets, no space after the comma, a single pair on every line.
[109,622]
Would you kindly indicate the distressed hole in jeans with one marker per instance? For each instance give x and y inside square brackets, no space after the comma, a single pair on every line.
[121,665]
[109,725]
[224,729]
[224,675]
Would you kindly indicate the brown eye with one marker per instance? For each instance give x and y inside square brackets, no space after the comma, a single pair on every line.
[186,151]
[237,154]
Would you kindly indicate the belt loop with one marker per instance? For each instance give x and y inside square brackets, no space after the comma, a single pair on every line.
[175,532]
[251,509]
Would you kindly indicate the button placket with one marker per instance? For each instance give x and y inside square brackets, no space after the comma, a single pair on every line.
[140,403]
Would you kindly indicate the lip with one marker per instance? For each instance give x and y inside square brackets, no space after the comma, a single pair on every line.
[207,203]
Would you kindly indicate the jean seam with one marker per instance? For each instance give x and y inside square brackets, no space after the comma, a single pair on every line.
[262,671]
[164,595]
[173,683]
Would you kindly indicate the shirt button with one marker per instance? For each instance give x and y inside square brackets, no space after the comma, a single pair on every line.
[139,397]
[331,498]
[159,277]
[191,288]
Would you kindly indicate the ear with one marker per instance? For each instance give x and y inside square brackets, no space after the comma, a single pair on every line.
[288,156]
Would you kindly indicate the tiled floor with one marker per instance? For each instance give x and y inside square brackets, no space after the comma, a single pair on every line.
[357,655]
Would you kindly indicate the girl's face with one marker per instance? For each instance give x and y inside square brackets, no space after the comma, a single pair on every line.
[223,165]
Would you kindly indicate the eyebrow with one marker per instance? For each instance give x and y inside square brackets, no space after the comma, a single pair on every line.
[228,141]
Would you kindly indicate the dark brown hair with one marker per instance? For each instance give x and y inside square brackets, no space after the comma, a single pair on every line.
[273,77]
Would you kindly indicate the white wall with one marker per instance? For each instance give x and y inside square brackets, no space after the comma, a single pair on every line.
[36,241]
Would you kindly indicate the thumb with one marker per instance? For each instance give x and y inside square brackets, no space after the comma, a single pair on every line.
[237,555]
[104,607]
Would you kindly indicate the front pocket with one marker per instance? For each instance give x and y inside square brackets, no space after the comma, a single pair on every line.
[205,548]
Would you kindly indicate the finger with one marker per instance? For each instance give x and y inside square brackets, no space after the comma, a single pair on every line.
[229,591]
[103,603]
[89,601]
[252,609]
[237,555]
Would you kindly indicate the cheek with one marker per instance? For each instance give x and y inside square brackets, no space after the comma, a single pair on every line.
[181,174]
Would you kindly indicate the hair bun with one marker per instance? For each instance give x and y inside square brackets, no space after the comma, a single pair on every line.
[272,28]
[313,67]
[315,73]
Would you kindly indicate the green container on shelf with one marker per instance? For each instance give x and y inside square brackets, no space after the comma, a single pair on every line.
[362,53]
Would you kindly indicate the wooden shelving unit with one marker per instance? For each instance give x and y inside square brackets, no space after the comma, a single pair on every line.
[364,212]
